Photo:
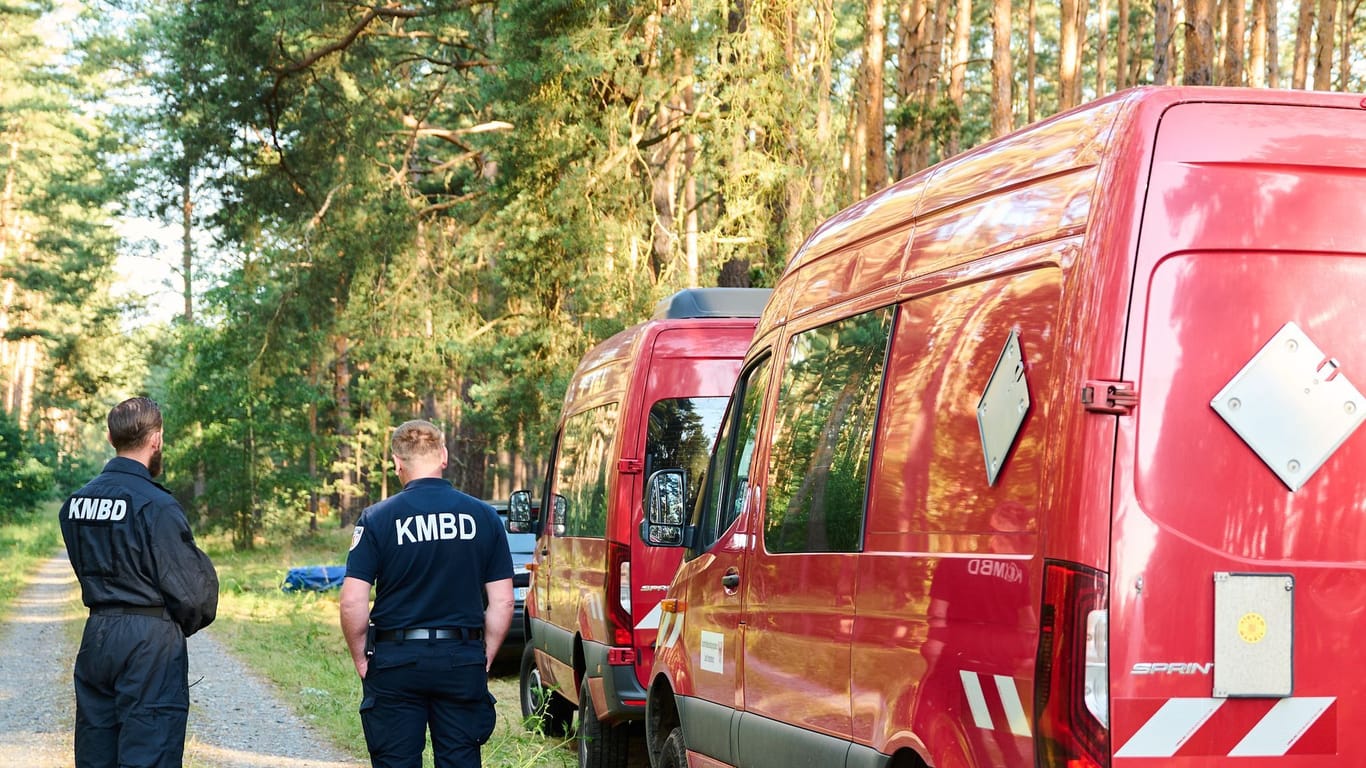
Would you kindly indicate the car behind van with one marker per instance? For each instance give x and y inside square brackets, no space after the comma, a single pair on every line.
[1049,455]
[646,399]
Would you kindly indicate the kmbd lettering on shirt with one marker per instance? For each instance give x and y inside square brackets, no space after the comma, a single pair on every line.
[94,510]
[435,526]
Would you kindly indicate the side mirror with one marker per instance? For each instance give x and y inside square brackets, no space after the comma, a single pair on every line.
[520,519]
[666,494]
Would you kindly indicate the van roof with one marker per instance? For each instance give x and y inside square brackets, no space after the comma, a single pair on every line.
[712,302]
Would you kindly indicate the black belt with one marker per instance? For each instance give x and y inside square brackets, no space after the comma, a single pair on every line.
[155,611]
[425,633]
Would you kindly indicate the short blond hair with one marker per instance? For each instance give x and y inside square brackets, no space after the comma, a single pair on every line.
[417,439]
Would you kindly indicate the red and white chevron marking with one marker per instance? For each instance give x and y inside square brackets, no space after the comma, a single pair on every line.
[1172,728]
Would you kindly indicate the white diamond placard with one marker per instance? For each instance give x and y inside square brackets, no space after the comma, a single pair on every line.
[1292,405]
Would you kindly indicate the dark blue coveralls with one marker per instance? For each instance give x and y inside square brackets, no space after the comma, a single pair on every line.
[148,587]
[429,550]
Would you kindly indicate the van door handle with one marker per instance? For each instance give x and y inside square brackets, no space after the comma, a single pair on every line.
[730,580]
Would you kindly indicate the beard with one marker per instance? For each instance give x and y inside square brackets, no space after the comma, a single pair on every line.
[154,464]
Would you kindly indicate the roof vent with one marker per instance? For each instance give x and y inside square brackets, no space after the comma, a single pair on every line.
[712,302]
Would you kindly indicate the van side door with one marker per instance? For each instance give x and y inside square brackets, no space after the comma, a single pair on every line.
[711,633]
[800,580]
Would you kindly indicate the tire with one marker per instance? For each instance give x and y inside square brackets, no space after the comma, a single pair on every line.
[543,710]
[675,753]
[600,745]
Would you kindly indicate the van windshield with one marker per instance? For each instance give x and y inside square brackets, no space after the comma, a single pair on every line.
[681,433]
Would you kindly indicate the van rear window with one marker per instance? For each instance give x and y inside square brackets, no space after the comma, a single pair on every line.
[680,436]
[823,435]
[581,470]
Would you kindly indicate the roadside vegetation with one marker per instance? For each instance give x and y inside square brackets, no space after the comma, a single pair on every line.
[23,543]
[294,640]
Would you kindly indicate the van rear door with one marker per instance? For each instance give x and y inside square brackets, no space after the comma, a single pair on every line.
[1238,570]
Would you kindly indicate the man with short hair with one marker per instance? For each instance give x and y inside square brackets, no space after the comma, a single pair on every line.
[435,556]
[148,587]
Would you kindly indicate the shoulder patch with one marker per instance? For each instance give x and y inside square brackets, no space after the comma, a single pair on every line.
[355,536]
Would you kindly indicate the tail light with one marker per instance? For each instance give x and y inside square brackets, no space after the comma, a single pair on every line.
[1071,690]
[619,570]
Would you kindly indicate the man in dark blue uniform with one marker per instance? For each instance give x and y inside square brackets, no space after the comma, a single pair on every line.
[435,556]
[148,587]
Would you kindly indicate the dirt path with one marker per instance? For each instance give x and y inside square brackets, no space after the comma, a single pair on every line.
[236,720]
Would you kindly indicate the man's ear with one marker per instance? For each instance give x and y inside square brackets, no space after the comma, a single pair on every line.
[109,437]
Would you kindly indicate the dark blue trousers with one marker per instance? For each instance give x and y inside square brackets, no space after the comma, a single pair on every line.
[132,693]
[419,684]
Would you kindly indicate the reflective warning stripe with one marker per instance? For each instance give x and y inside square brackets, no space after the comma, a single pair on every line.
[1016,719]
[977,703]
[1178,721]
[1169,728]
[1282,727]
[651,620]
[1010,699]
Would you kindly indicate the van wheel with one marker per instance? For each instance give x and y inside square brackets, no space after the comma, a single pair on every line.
[675,753]
[543,710]
[600,746]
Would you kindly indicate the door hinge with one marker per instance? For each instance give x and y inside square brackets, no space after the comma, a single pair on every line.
[630,466]
[1117,397]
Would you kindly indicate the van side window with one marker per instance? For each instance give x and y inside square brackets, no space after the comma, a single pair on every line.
[823,435]
[581,470]
[734,449]
[679,435]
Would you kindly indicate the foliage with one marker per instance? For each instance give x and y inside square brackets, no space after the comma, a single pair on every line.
[24,480]
[387,211]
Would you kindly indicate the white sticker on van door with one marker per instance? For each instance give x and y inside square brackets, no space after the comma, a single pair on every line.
[713,645]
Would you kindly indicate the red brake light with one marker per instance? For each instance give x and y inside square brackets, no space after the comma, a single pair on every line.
[619,584]
[1069,733]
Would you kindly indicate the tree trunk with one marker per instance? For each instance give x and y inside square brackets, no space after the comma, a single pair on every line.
[1234,34]
[1002,75]
[788,216]
[958,72]
[1103,15]
[1032,66]
[1304,27]
[1069,55]
[347,482]
[825,22]
[1273,59]
[1199,43]
[1257,48]
[1323,48]
[1349,17]
[937,59]
[1163,31]
[1122,79]
[875,121]
[912,64]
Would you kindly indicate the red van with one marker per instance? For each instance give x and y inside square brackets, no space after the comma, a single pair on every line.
[647,399]
[1047,456]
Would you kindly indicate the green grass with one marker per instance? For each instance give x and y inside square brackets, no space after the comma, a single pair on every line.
[22,546]
[295,641]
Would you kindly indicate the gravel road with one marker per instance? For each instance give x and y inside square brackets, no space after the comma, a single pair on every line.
[236,719]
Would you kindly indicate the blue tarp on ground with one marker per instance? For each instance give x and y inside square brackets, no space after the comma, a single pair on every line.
[314,578]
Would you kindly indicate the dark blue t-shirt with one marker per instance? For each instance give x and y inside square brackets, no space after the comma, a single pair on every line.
[429,550]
